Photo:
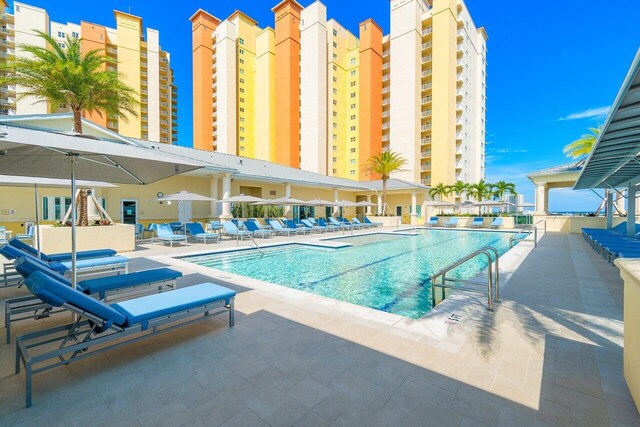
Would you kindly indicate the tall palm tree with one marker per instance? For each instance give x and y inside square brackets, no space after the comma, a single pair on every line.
[582,147]
[439,190]
[71,77]
[384,164]
[501,188]
[459,188]
[481,190]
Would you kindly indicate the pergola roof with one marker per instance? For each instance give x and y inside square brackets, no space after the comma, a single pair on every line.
[615,158]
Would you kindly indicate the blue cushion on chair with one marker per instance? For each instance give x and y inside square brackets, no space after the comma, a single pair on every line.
[95,262]
[96,253]
[143,309]
[105,284]
[56,293]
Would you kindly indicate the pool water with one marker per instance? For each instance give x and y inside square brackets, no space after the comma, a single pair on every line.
[385,272]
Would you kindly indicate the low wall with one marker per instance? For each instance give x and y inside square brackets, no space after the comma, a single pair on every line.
[387,221]
[574,224]
[508,222]
[630,273]
[119,237]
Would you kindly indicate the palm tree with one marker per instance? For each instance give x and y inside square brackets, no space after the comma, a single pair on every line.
[439,190]
[582,147]
[70,77]
[459,188]
[74,78]
[384,164]
[501,188]
[481,190]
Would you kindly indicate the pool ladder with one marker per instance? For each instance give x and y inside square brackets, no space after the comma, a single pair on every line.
[491,287]
[525,232]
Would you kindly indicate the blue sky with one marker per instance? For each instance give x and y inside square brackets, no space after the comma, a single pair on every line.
[553,67]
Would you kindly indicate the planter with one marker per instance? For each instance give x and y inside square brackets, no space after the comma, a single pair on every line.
[387,221]
[119,237]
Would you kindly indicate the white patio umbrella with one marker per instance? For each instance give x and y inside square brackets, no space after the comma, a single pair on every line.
[365,204]
[242,198]
[319,202]
[185,196]
[491,204]
[345,203]
[21,181]
[184,199]
[282,201]
[47,154]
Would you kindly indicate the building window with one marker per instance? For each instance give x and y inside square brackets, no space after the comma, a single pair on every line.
[353,72]
[335,57]
[241,99]
[335,114]
[335,138]
[353,128]
[353,83]
[352,161]
[241,51]
[241,61]
[61,34]
[241,119]
[352,172]
[241,90]
[335,160]
[242,109]
[242,138]
[335,33]
[62,45]
[241,129]
[241,80]
[55,208]
[75,34]
[353,139]
[353,106]
[353,117]
[335,148]
[353,61]
[335,79]
[353,94]
[335,68]
[335,102]
[335,45]
[241,40]
[241,71]
[353,150]
[335,125]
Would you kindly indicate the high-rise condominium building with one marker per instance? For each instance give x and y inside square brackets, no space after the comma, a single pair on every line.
[309,93]
[143,65]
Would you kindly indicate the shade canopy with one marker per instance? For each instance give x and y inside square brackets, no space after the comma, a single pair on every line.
[615,158]
[241,198]
[282,201]
[345,203]
[492,203]
[21,181]
[365,204]
[319,202]
[28,152]
[185,196]
[439,204]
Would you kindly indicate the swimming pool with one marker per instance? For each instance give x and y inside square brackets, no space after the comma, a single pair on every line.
[383,271]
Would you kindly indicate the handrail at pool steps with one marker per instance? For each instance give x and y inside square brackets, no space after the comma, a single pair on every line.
[528,230]
[493,278]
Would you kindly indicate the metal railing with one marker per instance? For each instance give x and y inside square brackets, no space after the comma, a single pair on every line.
[533,228]
[493,277]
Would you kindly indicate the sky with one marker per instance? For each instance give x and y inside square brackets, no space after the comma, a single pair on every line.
[554,67]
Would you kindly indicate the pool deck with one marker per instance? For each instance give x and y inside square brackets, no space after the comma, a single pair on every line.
[551,354]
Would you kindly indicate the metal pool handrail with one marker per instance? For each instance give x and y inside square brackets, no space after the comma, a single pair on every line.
[530,228]
[493,277]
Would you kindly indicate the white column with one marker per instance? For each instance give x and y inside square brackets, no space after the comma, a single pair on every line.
[619,203]
[336,209]
[414,209]
[226,192]
[631,210]
[379,205]
[609,210]
[287,193]
[213,193]
[541,199]
[369,207]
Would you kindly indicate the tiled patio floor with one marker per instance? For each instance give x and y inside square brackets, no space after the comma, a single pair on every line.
[550,355]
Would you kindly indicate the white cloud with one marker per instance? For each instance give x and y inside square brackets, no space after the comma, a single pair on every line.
[591,113]
[510,150]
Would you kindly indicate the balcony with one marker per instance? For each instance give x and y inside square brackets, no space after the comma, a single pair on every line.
[385,114]
[426,113]
[427,45]
[386,90]
[426,58]
[385,101]
[427,72]
[385,65]
[426,153]
[426,127]
[427,31]
[426,99]
[426,181]
[385,138]
[385,77]
[426,140]
[385,126]
[426,86]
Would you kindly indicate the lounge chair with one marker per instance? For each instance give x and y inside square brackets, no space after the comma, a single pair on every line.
[301,229]
[477,222]
[151,230]
[176,226]
[356,221]
[229,228]
[497,222]
[312,220]
[330,227]
[16,308]
[375,224]
[196,231]
[100,327]
[349,223]
[166,235]
[307,224]
[139,231]
[253,228]
[279,229]
[433,222]
[85,266]
[452,223]
[28,235]
[96,253]
[339,224]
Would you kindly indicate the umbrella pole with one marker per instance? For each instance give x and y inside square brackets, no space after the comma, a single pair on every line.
[37,230]
[73,222]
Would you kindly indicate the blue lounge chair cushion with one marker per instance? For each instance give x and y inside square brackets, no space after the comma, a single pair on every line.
[94,262]
[56,293]
[142,310]
[26,266]
[66,256]
[104,284]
